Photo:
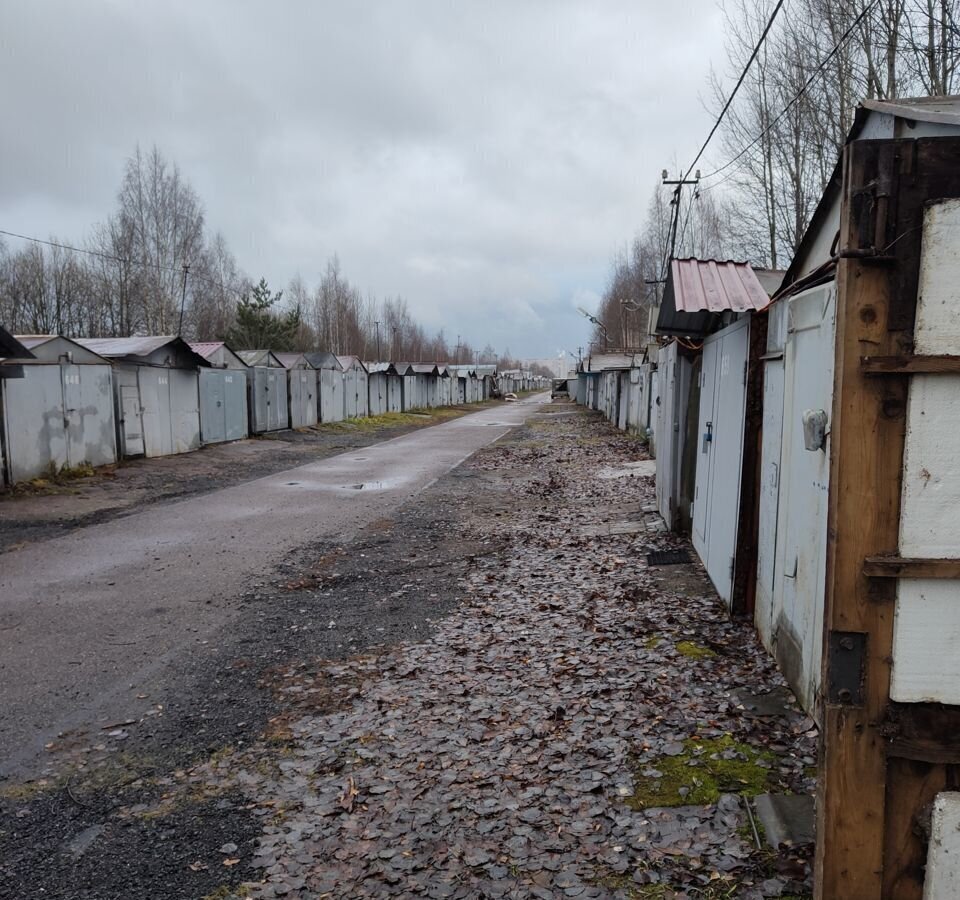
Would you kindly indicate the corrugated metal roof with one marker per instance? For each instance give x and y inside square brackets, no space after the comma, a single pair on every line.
[712,286]
[49,347]
[127,346]
[601,362]
[349,362]
[34,340]
[323,359]
[260,358]
[205,348]
[943,110]
[292,360]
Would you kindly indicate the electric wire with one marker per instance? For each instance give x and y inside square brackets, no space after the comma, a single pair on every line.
[120,259]
[806,86]
[736,87]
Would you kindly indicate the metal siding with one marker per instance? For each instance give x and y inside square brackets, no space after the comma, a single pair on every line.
[213,414]
[667,429]
[363,408]
[154,386]
[129,409]
[720,460]
[235,403]
[33,422]
[800,561]
[377,393]
[294,397]
[331,395]
[89,413]
[394,393]
[277,404]
[770,461]
[223,405]
[184,409]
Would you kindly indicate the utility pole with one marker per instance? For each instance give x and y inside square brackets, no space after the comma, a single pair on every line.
[675,202]
[378,341]
[183,299]
[457,351]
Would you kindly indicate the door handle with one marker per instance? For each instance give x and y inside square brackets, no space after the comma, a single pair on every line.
[708,437]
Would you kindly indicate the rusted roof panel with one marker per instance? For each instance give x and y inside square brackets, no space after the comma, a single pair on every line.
[712,286]
[205,348]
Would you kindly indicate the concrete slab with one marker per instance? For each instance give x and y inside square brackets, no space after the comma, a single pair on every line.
[787,819]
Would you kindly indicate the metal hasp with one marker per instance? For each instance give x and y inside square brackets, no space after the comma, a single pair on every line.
[847,654]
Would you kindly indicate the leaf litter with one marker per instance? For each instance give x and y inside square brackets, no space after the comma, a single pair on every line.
[555,736]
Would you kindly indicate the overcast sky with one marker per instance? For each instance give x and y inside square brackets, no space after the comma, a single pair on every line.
[483,159]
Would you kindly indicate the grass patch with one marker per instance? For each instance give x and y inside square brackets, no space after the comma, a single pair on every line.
[702,772]
[694,651]
[395,419]
[53,478]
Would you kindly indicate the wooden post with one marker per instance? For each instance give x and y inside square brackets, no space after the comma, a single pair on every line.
[866,452]
[881,763]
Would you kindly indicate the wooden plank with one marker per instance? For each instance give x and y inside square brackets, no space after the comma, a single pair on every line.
[912,787]
[908,364]
[908,567]
[866,456]
[871,806]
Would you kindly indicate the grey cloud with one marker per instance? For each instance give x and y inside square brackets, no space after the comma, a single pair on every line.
[455,153]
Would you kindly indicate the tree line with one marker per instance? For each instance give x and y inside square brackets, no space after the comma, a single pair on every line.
[783,135]
[155,256]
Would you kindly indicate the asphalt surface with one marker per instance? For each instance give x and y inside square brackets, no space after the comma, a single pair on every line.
[88,620]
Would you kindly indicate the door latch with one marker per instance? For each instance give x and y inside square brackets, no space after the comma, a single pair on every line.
[708,437]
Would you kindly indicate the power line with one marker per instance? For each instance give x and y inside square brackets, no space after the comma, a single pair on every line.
[736,87]
[806,85]
[120,259]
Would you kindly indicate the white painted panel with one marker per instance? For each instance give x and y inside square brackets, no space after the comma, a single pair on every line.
[770,452]
[795,609]
[942,881]
[727,449]
[704,456]
[930,511]
[938,325]
[666,436]
[926,639]
[926,642]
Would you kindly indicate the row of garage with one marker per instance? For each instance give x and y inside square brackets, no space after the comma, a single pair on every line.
[67,403]
[805,425]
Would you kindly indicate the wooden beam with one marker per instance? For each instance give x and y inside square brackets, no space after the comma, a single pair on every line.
[907,567]
[909,364]
[866,459]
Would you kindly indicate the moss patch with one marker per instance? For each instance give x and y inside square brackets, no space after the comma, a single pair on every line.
[651,643]
[703,771]
[694,651]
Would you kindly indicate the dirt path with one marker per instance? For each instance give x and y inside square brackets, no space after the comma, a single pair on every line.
[542,715]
